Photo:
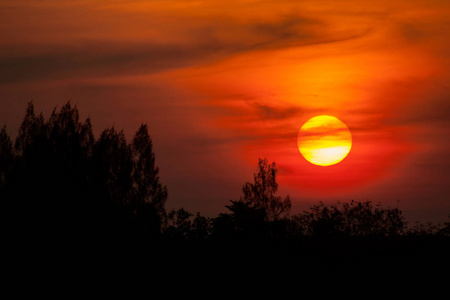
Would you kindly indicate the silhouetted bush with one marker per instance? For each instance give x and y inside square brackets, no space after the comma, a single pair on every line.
[445,230]
[182,225]
[355,219]
[244,222]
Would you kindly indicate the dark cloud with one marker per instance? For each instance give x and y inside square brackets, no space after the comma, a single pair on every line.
[435,110]
[106,56]
[272,112]
[100,59]
[323,131]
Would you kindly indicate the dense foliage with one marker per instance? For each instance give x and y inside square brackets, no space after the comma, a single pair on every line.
[59,177]
[56,177]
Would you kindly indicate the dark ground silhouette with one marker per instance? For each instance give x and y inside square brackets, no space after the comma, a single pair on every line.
[59,185]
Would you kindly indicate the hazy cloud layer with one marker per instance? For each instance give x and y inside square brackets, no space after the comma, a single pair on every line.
[62,40]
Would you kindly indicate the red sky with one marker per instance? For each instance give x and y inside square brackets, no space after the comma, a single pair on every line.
[221,83]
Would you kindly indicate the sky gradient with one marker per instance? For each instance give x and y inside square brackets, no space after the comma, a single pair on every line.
[222,83]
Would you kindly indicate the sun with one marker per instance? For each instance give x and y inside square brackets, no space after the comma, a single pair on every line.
[324,140]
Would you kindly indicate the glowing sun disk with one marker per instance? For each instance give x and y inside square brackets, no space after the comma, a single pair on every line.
[324,140]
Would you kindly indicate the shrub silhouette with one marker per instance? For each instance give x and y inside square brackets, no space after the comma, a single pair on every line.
[243,222]
[355,219]
[445,230]
[182,225]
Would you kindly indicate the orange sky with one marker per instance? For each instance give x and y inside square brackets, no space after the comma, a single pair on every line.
[221,83]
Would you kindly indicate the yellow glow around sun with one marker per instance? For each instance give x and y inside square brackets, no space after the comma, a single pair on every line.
[324,140]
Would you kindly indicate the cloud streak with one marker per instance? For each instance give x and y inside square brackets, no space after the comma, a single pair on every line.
[43,52]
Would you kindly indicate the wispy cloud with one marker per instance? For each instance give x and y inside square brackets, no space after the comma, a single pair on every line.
[86,44]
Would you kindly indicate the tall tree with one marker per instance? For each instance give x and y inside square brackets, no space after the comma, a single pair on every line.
[31,130]
[6,157]
[261,193]
[58,174]
[113,169]
[50,178]
[179,224]
[259,212]
[146,184]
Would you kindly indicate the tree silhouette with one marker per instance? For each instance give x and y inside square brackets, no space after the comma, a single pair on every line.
[58,176]
[149,195]
[350,219]
[261,194]
[31,130]
[57,179]
[248,221]
[51,167]
[6,158]
[201,228]
[258,212]
[148,191]
[445,230]
[112,175]
[182,225]
[69,163]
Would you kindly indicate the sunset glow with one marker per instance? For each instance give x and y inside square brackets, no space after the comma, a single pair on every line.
[349,98]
